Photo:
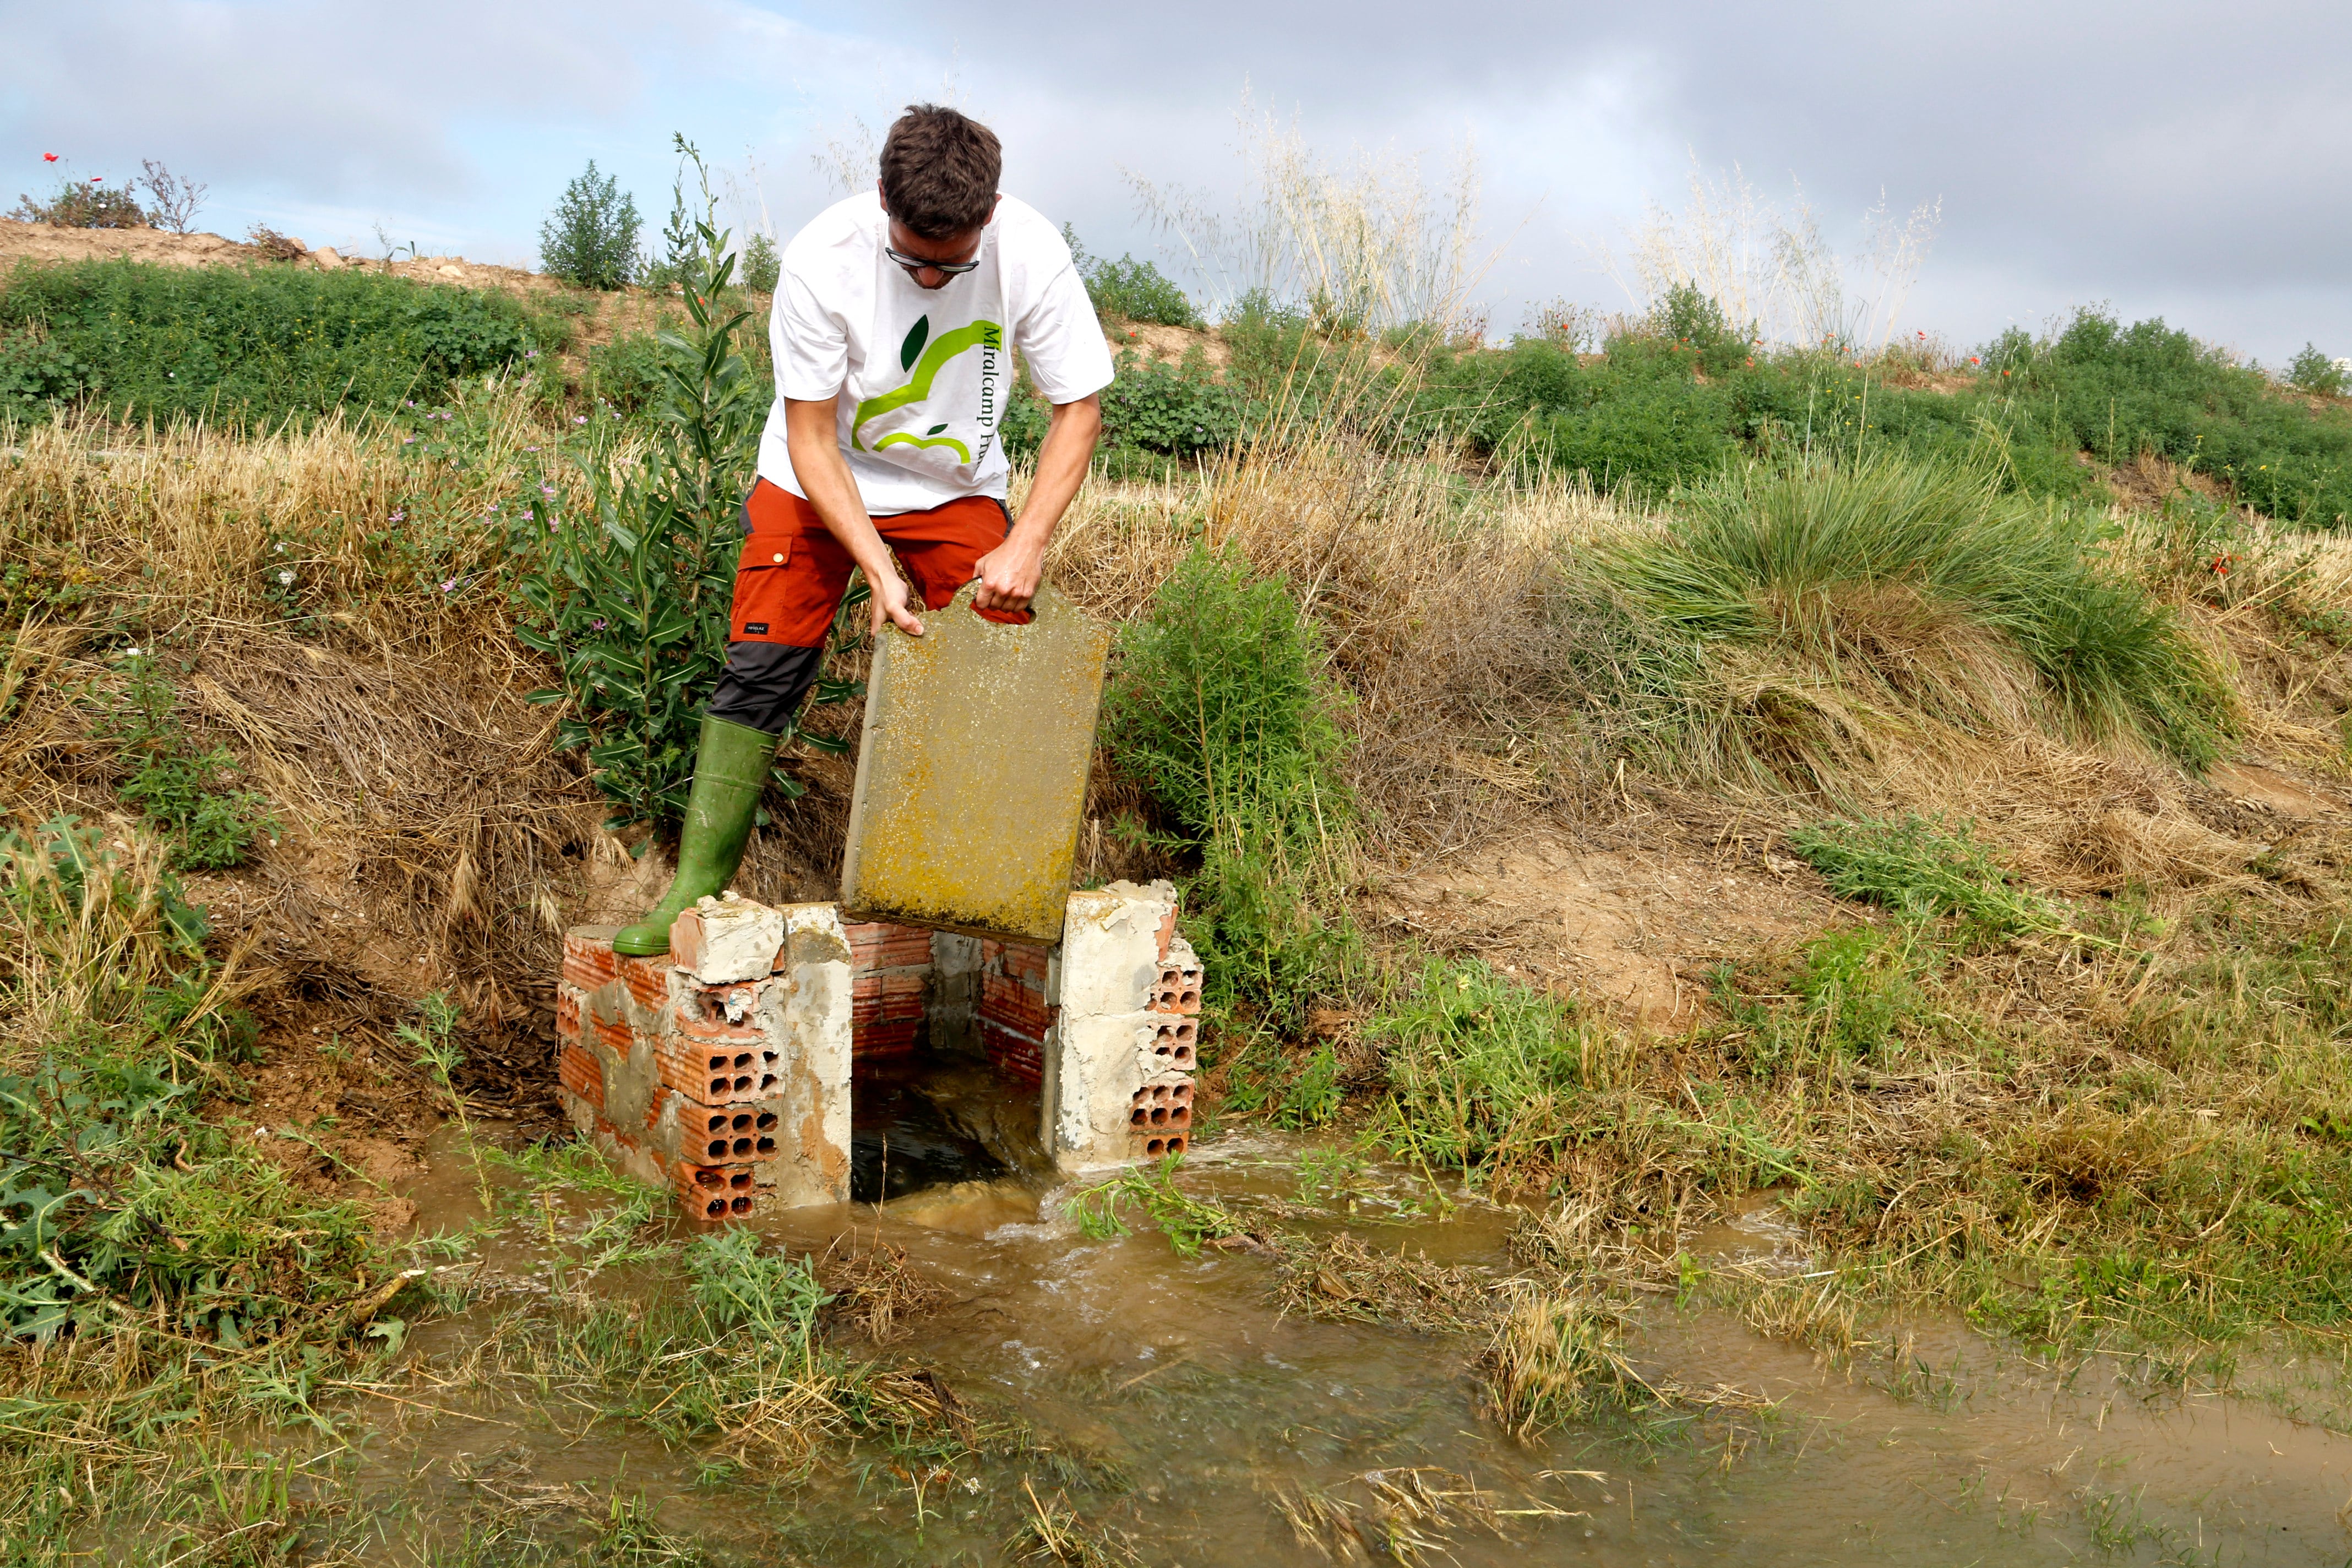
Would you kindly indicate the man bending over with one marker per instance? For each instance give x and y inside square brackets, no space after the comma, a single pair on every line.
[895,323]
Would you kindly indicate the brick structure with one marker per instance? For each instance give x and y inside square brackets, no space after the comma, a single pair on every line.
[722,1070]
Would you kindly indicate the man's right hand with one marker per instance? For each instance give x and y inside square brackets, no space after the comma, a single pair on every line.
[890,602]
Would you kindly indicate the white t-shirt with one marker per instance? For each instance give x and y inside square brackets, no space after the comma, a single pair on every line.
[923,374]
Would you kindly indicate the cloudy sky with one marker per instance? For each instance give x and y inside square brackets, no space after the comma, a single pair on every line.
[2191,161]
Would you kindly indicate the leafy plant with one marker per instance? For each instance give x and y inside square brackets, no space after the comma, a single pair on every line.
[184,790]
[433,1038]
[1181,410]
[1129,290]
[1223,711]
[632,604]
[1186,1221]
[739,1282]
[591,238]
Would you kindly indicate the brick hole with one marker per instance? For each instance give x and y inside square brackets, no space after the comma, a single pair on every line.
[716,1148]
[767,1145]
[1190,998]
[1182,1058]
[741,1179]
[1138,1116]
[1155,1145]
[706,1178]
[718,1064]
[717,1086]
[744,1083]
[767,1119]
[743,1145]
[1159,1115]
[768,1081]
[741,1205]
[742,1059]
[1180,1117]
[715,1207]
[742,1119]
[718,1122]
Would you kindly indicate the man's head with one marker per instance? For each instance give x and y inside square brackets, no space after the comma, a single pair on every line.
[939,186]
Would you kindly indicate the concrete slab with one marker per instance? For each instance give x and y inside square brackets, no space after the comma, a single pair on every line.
[971,770]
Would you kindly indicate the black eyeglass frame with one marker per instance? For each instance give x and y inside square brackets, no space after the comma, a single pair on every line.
[915,263]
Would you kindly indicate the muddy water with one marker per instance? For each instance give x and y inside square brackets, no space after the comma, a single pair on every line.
[1181,1377]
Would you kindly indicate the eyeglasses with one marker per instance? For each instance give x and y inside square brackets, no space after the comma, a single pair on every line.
[915,263]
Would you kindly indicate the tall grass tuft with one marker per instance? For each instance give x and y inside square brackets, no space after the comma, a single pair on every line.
[1794,615]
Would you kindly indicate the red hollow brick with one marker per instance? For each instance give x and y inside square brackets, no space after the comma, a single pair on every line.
[613,1034]
[1153,1145]
[884,1041]
[1024,963]
[567,1015]
[720,1074]
[717,1133]
[881,944]
[588,962]
[1008,1002]
[648,980]
[580,1072]
[717,1192]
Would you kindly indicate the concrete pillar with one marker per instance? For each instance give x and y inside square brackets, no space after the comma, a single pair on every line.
[1118,1084]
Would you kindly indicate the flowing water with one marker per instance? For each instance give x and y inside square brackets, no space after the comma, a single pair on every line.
[1179,1375]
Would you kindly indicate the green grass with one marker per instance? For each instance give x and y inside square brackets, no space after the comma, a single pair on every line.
[1794,609]
[247,346]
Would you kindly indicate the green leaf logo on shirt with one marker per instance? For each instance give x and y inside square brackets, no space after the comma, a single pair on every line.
[925,358]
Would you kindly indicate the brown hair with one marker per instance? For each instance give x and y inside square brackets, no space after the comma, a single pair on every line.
[939,170]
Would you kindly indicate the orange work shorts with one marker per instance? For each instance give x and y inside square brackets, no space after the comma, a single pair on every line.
[792,572]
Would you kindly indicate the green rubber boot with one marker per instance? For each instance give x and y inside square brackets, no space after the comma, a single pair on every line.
[729,771]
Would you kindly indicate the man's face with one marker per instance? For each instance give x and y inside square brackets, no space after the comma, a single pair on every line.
[954,249]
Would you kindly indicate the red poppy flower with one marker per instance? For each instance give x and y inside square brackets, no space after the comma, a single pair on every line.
[48,157]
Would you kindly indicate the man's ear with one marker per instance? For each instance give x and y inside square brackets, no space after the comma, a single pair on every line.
[884,194]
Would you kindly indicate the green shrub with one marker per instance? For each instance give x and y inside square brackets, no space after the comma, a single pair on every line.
[1177,410]
[83,204]
[591,237]
[762,264]
[1921,577]
[1129,290]
[246,345]
[625,372]
[1223,711]
[2118,391]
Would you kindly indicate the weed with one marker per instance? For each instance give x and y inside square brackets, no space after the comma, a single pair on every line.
[1186,1221]
[432,1038]
[1922,869]
[1055,1534]
[1130,291]
[184,790]
[1482,1068]
[1555,1358]
[1339,1279]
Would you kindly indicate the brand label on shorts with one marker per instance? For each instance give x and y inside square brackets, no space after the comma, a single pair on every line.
[755,628]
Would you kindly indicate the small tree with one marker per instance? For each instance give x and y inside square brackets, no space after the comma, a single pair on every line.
[591,238]
[83,204]
[2311,371]
[762,264]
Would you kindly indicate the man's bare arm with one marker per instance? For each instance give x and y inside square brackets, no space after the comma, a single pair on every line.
[1010,572]
[813,434]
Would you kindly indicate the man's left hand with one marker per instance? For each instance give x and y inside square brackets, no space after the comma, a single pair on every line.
[1008,574]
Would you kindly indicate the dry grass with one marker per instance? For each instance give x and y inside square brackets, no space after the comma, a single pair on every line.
[1340,1278]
